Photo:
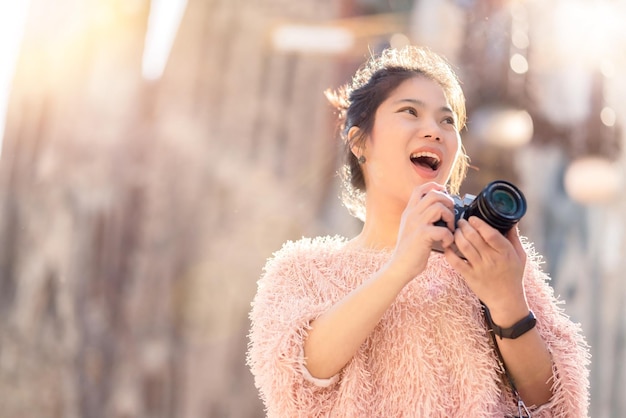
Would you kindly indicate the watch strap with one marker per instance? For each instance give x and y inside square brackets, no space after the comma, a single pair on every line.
[518,329]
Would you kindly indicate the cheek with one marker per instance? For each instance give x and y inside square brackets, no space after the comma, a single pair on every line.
[456,147]
[382,164]
[456,152]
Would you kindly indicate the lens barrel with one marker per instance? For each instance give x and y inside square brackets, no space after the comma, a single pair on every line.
[500,204]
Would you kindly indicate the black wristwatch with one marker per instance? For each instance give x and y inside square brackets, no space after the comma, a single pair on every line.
[518,329]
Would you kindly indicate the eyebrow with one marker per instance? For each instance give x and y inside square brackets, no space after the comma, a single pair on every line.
[422,104]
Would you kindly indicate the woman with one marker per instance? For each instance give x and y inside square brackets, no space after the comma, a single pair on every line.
[382,326]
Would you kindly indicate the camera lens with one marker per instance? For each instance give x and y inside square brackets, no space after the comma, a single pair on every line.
[504,202]
[500,204]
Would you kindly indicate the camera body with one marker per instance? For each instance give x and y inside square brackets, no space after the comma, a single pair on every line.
[500,204]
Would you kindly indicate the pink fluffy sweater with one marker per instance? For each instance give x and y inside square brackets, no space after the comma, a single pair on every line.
[430,355]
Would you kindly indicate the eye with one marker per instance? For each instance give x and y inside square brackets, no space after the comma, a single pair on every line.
[449,120]
[409,110]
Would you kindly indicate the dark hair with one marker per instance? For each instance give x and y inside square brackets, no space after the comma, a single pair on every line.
[358,101]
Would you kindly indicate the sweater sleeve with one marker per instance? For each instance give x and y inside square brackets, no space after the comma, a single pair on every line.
[567,346]
[285,304]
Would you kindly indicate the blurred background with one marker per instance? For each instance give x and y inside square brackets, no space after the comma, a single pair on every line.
[155,153]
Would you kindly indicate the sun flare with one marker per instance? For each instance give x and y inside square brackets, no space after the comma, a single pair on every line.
[12,18]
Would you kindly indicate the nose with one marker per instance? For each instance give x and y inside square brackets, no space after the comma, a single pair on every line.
[435,137]
[430,129]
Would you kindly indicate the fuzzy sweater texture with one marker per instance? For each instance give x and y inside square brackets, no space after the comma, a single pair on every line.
[429,356]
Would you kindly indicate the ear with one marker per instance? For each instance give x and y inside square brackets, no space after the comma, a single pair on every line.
[356,148]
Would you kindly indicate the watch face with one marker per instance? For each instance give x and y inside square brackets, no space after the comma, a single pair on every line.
[521,327]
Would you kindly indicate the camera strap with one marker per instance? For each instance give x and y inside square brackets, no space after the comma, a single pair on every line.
[522,410]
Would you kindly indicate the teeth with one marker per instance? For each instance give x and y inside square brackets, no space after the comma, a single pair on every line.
[425,154]
[426,158]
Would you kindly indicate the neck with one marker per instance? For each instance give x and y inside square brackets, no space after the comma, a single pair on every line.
[380,230]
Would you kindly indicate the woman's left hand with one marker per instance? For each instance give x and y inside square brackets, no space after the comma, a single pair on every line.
[494,265]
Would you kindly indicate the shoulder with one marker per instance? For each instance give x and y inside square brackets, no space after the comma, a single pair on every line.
[300,268]
[296,256]
[308,249]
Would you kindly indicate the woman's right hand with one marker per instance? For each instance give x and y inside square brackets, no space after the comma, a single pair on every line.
[418,233]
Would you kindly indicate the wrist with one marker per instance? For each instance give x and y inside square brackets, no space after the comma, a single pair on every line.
[399,272]
[391,277]
[507,311]
[518,328]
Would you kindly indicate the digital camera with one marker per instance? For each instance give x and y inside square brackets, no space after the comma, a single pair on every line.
[500,204]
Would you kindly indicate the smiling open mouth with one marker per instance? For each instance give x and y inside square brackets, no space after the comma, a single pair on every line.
[426,159]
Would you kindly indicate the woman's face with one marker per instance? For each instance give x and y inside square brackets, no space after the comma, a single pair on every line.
[414,140]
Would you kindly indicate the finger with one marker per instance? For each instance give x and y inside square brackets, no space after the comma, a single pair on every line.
[434,196]
[468,241]
[514,238]
[422,199]
[459,264]
[440,213]
[429,214]
[422,217]
[488,235]
[441,236]
[443,205]
[420,192]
